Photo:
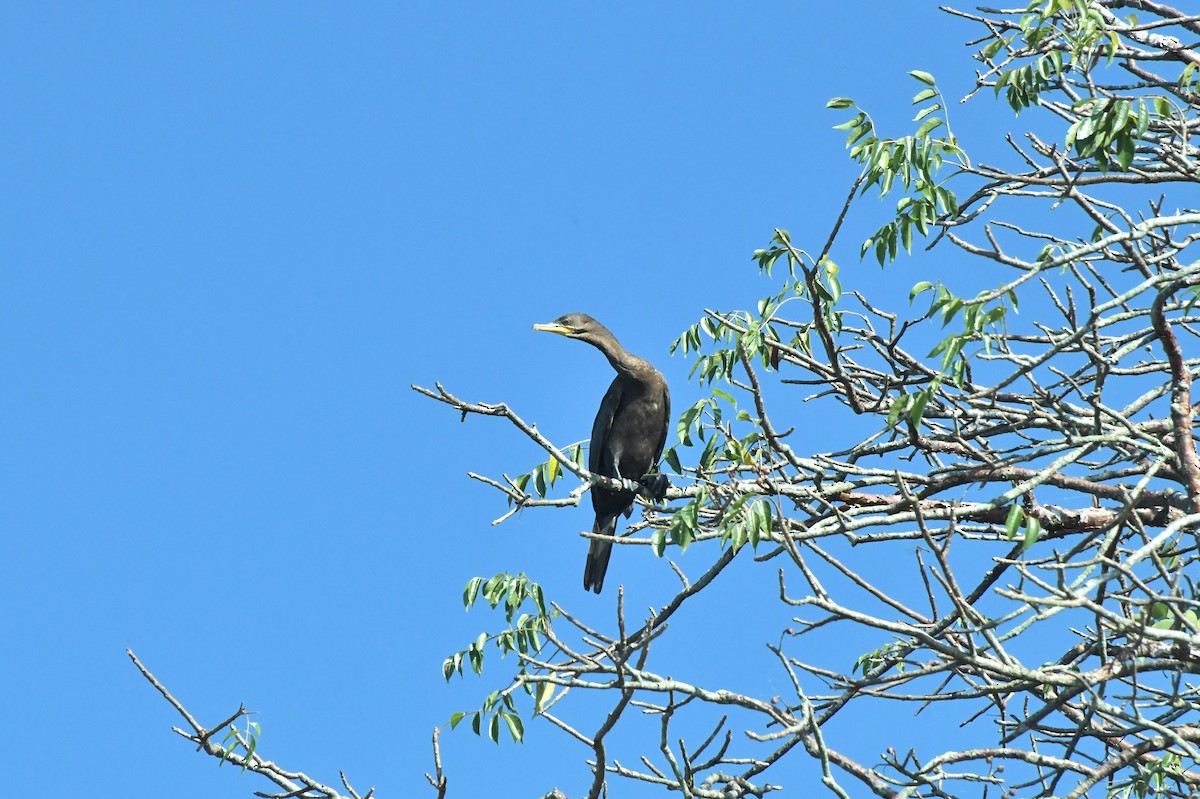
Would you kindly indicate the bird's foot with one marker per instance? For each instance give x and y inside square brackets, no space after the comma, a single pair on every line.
[656,485]
[632,486]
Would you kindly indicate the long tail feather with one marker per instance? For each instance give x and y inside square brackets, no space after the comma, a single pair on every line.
[598,554]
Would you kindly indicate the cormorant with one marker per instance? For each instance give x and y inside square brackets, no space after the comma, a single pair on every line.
[627,436]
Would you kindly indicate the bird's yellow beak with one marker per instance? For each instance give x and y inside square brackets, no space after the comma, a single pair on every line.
[554,327]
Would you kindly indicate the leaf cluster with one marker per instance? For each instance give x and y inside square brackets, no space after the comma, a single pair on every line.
[246,740]
[524,631]
[524,635]
[545,475]
[704,422]
[1049,30]
[1162,777]
[982,318]
[885,657]
[1108,130]
[913,162]
[498,708]
[1018,521]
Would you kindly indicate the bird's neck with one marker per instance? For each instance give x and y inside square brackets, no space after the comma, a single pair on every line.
[624,362]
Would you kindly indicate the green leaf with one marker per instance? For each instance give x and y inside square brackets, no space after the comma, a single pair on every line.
[229,750]
[731,512]
[899,405]
[953,348]
[917,409]
[906,235]
[471,592]
[923,95]
[683,523]
[553,467]
[947,199]
[515,728]
[489,589]
[658,542]
[856,134]
[924,112]
[951,310]
[992,48]
[1032,529]
[1015,516]
[862,147]
[1125,152]
[456,717]
[761,510]
[927,126]
[839,102]
[919,288]
[971,317]
[249,757]
[924,77]
[852,122]
[542,695]
[835,289]
[751,531]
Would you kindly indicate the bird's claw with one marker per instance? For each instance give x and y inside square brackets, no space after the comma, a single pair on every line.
[656,485]
[632,486]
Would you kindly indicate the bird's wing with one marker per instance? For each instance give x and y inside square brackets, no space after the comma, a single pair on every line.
[600,459]
[662,439]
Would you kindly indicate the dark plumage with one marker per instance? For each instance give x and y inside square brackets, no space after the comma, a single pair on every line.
[627,437]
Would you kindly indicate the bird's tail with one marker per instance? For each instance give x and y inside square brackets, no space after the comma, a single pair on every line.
[598,553]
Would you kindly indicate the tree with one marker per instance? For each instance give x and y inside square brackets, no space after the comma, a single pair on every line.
[1032,483]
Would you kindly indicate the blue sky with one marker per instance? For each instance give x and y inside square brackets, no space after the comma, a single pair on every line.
[233,236]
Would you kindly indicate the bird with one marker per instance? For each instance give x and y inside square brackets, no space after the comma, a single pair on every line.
[627,436]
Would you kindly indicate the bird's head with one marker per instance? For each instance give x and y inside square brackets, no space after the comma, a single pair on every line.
[572,325]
